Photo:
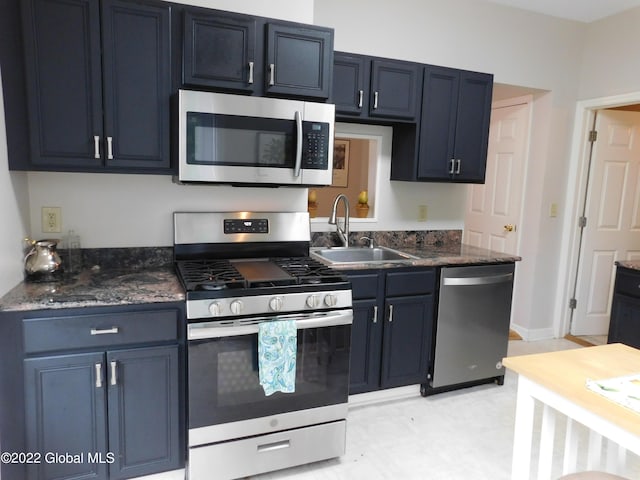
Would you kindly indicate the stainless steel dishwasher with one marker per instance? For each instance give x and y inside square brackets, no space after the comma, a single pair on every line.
[472,327]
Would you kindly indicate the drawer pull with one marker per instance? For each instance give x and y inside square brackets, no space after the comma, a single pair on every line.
[268,447]
[104,331]
[114,373]
[98,375]
[375,314]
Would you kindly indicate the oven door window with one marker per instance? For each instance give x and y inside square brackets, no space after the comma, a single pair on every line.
[214,139]
[224,383]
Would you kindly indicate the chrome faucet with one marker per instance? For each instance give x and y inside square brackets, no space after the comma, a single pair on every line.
[368,239]
[342,233]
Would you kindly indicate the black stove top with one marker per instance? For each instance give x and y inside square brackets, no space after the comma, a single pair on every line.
[215,275]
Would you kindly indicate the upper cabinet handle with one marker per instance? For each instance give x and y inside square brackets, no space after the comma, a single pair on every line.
[375,314]
[375,100]
[458,162]
[96,146]
[390,313]
[250,73]
[360,98]
[110,148]
[452,166]
[272,74]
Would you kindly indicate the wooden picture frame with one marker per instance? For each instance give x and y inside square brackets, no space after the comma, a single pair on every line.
[340,177]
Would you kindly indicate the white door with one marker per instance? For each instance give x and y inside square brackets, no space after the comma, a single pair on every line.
[494,208]
[613,218]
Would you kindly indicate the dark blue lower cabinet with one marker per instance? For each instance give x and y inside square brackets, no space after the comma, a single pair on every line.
[104,415]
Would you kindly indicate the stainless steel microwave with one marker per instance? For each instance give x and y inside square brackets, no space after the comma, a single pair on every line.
[236,139]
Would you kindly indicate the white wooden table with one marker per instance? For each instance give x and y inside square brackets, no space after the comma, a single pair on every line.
[558,381]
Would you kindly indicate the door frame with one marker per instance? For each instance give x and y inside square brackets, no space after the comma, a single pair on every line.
[574,198]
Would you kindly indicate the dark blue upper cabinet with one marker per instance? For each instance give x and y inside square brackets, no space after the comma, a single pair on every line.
[98,84]
[299,60]
[351,84]
[395,89]
[64,81]
[220,51]
[454,128]
[383,90]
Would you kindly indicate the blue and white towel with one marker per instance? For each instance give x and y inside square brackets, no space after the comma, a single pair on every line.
[277,346]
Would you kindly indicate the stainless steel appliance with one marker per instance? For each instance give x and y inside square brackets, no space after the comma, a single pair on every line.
[472,330]
[239,139]
[239,270]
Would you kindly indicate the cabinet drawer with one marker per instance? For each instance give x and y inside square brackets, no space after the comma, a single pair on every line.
[104,330]
[411,283]
[628,284]
[364,286]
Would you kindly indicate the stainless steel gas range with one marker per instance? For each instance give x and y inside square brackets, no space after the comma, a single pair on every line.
[242,271]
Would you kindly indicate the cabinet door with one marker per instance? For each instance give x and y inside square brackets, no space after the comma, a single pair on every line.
[65,413]
[624,326]
[64,82]
[438,123]
[219,51]
[144,422]
[350,84]
[395,89]
[472,126]
[406,340]
[366,335]
[137,84]
[299,60]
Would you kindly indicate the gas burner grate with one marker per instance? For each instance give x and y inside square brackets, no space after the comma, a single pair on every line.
[308,271]
[209,275]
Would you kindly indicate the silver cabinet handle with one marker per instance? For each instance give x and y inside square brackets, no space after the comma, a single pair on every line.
[114,373]
[452,167]
[96,146]
[487,280]
[360,98]
[250,73]
[375,100]
[375,314]
[110,148]
[458,162]
[272,74]
[390,313]
[104,331]
[98,375]
[298,165]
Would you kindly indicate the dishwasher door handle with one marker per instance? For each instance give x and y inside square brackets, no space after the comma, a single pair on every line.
[484,280]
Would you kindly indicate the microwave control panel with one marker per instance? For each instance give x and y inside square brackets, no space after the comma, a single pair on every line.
[315,145]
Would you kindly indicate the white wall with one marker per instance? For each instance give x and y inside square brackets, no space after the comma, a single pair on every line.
[611,65]
[519,48]
[14,214]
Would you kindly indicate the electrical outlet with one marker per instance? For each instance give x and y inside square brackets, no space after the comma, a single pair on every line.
[422,213]
[51,220]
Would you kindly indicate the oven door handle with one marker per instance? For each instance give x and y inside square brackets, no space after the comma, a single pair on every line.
[219,329]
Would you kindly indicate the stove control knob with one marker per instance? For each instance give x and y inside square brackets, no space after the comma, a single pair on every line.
[215,309]
[236,307]
[275,304]
[313,301]
[330,300]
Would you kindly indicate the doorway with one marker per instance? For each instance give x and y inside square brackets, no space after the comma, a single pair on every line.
[576,196]
[610,220]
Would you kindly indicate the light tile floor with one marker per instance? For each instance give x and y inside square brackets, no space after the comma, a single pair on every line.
[461,435]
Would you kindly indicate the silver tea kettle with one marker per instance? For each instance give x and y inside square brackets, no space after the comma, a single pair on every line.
[42,258]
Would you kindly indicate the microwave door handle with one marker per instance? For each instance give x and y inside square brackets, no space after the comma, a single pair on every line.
[298,165]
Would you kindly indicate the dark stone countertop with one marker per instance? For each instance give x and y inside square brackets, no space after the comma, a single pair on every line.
[94,287]
[437,256]
[631,264]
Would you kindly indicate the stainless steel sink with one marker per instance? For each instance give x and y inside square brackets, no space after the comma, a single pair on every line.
[361,255]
